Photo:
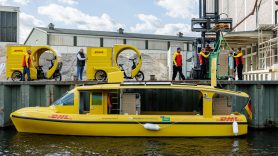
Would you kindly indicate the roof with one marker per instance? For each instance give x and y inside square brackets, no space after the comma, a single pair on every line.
[244,38]
[114,34]
[144,85]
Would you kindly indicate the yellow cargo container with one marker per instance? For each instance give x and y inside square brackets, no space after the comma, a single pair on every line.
[102,62]
[14,59]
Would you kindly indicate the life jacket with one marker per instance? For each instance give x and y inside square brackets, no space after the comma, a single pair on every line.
[239,60]
[26,56]
[202,59]
[178,59]
[81,62]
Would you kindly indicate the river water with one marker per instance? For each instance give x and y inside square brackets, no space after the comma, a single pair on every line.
[257,142]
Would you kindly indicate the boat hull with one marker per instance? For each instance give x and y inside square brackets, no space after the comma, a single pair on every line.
[128,125]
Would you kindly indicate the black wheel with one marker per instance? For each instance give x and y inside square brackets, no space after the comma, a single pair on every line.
[140,76]
[100,75]
[58,77]
[16,76]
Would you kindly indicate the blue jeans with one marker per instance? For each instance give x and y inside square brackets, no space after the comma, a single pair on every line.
[26,70]
[79,72]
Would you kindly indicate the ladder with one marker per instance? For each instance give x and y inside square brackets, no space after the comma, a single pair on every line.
[115,99]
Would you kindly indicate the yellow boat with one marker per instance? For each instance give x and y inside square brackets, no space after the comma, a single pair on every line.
[116,110]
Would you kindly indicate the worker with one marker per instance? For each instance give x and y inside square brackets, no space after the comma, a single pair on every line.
[26,63]
[239,62]
[203,62]
[208,48]
[177,64]
[80,63]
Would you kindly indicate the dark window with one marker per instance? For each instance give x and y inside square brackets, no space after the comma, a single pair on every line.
[124,41]
[74,41]
[146,44]
[101,42]
[8,26]
[168,45]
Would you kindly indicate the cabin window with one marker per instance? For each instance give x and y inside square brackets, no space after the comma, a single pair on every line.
[97,99]
[66,100]
[162,101]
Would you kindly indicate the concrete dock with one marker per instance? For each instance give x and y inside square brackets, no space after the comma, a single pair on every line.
[16,95]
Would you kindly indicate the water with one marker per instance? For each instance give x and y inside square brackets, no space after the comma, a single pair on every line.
[257,142]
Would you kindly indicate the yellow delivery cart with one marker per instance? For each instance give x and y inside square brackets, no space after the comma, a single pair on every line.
[14,67]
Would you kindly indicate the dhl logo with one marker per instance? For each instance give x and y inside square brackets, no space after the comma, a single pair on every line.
[18,50]
[57,116]
[229,119]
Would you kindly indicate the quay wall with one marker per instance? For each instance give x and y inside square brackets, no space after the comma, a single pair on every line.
[16,95]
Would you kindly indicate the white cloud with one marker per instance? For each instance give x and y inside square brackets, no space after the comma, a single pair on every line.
[22,2]
[149,23]
[153,25]
[72,16]
[69,2]
[3,2]
[27,22]
[185,9]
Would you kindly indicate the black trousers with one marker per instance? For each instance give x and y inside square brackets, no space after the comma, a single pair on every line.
[177,69]
[203,71]
[239,71]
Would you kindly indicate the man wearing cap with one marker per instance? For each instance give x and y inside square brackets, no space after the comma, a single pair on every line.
[80,63]
[26,63]
[177,64]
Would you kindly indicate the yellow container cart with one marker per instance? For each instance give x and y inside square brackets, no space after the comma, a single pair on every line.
[14,58]
[102,63]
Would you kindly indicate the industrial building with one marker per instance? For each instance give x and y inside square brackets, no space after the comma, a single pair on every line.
[9,25]
[153,47]
[9,30]
[255,30]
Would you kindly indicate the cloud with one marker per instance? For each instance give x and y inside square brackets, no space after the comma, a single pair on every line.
[3,2]
[152,24]
[149,23]
[72,16]
[69,2]
[22,2]
[27,22]
[185,9]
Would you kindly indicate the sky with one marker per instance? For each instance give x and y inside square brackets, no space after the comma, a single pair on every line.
[165,17]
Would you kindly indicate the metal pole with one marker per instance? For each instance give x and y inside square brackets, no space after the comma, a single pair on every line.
[203,35]
[216,14]
[200,8]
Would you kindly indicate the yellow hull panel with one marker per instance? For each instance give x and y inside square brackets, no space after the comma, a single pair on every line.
[47,122]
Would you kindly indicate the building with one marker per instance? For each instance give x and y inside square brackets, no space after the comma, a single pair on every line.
[9,30]
[9,25]
[156,47]
[255,31]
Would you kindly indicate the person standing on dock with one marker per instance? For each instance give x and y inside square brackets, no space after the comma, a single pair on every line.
[239,63]
[203,62]
[80,63]
[177,64]
[26,63]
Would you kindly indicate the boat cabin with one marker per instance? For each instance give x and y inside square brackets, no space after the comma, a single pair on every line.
[148,99]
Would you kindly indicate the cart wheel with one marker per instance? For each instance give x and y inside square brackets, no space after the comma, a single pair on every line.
[58,77]
[139,76]
[100,75]
[16,76]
